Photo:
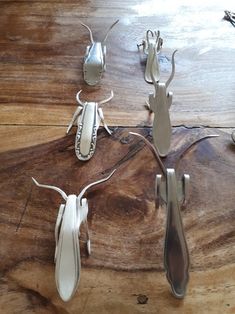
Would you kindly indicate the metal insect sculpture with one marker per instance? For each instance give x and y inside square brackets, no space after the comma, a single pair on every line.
[151,47]
[88,116]
[174,194]
[230,16]
[67,230]
[159,103]
[94,60]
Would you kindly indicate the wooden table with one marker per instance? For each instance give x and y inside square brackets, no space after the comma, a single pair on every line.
[41,50]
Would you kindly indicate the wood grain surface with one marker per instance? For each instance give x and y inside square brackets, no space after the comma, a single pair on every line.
[127,232]
[42,45]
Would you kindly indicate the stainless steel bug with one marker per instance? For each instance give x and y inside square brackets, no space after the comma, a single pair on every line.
[174,194]
[67,252]
[159,103]
[94,60]
[88,116]
[152,46]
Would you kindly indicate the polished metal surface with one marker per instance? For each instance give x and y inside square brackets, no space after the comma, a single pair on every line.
[176,256]
[94,60]
[174,194]
[152,45]
[88,116]
[159,103]
[67,231]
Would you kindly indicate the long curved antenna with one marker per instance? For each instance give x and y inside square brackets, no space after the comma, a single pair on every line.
[90,32]
[106,100]
[155,83]
[106,36]
[159,44]
[100,102]
[78,99]
[191,145]
[62,193]
[230,16]
[159,41]
[173,69]
[94,183]
[157,34]
[147,35]
[153,149]
[75,115]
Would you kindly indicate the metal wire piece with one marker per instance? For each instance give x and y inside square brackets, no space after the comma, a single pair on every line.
[153,149]
[230,16]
